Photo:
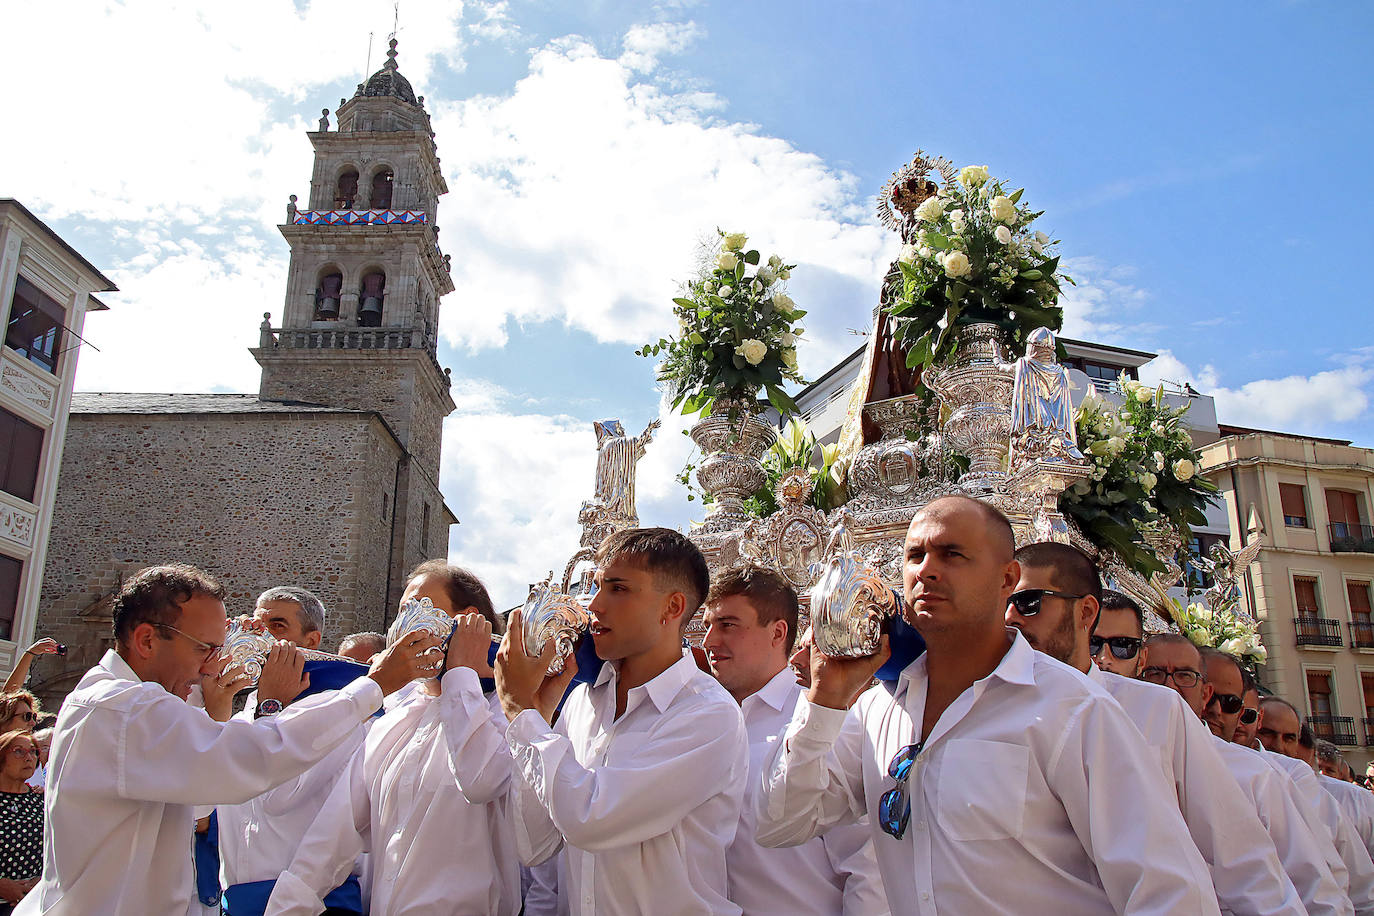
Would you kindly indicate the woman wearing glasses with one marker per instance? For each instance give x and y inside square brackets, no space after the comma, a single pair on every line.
[18,711]
[21,819]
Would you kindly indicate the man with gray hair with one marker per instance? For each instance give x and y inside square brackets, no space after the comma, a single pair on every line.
[361,646]
[293,614]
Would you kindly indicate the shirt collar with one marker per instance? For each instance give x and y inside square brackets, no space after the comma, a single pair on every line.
[1095,674]
[1016,667]
[662,688]
[778,690]
[115,665]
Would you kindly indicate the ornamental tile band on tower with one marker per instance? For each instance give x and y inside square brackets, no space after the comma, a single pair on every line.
[327,477]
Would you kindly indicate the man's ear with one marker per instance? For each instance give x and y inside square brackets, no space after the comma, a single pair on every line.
[779,628]
[141,641]
[312,640]
[1011,574]
[674,607]
[1088,613]
[1207,691]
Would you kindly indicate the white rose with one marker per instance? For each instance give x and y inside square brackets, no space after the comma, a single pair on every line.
[1116,445]
[784,274]
[727,261]
[1148,481]
[734,241]
[1159,461]
[789,358]
[972,176]
[1233,646]
[709,286]
[789,339]
[766,275]
[1144,394]
[753,351]
[957,265]
[1003,235]
[1042,238]
[1184,469]
[931,210]
[908,254]
[756,286]
[1037,247]
[923,251]
[1002,209]
[1132,386]
[956,216]
[774,261]
[985,191]
[783,301]
[726,292]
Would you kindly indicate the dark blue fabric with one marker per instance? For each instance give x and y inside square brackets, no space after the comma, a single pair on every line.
[250,899]
[331,674]
[489,684]
[906,644]
[206,856]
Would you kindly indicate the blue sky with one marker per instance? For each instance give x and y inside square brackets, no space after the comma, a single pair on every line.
[1206,166]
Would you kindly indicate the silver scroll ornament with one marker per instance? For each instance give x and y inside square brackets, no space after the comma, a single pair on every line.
[419,614]
[248,648]
[848,604]
[550,613]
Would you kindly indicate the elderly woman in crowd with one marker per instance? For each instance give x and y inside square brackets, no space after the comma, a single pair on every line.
[21,819]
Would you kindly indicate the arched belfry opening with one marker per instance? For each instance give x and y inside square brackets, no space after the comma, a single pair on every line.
[327,293]
[371,293]
[346,190]
[382,183]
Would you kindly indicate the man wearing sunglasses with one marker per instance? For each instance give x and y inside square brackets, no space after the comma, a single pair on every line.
[1117,643]
[1055,606]
[996,779]
[130,758]
[1309,857]
[1280,729]
[1248,723]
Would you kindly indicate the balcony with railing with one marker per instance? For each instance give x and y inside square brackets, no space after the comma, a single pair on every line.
[1336,729]
[1351,538]
[1321,632]
[1361,634]
[1368,732]
[351,338]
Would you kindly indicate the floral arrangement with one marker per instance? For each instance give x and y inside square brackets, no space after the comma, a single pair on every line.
[1144,473]
[794,449]
[1220,628]
[737,331]
[973,258]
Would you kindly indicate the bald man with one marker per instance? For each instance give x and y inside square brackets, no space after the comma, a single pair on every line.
[994,778]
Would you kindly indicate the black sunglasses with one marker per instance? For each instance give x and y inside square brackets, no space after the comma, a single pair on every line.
[1249,715]
[1230,703]
[1027,601]
[894,807]
[1123,647]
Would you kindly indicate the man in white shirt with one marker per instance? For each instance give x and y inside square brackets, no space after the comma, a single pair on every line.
[1309,859]
[1055,606]
[130,757]
[751,622]
[1357,803]
[643,778]
[996,778]
[427,796]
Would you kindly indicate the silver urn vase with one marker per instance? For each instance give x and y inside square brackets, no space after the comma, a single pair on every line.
[733,440]
[975,386]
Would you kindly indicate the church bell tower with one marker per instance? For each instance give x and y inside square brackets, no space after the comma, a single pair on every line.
[359,327]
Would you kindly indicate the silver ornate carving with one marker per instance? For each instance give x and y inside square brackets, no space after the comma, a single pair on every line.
[1226,568]
[848,602]
[733,439]
[248,647]
[791,540]
[550,613]
[975,386]
[419,614]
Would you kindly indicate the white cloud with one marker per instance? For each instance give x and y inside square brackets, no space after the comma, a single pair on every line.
[1099,305]
[645,44]
[1310,404]
[581,197]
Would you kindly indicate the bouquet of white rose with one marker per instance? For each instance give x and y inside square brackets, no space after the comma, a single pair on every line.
[974,259]
[1220,628]
[1144,472]
[737,331]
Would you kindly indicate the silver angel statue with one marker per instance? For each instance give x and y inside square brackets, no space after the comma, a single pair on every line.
[1226,569]
[1041,410]
[617,456]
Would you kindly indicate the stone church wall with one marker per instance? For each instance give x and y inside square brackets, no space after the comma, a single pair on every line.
[257,499]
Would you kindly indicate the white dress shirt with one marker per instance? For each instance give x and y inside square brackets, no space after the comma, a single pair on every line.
[257,837]
[646,804]
[832,874]
[426,798]
[1033,793]
[1245,867]
[1357,803]
[1355,859]
[128,762]
[1304,856]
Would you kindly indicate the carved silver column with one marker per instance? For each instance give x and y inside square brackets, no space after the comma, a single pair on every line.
[733,440]
[975,386]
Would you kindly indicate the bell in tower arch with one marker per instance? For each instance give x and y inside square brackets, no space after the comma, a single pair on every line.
[370,309]
[327,297]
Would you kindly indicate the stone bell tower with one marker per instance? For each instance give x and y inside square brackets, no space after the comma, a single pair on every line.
[359,326]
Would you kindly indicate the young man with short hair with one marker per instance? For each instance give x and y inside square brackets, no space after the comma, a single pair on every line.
[130,757]
[1055,606]
[642,779]
[996,778]
[751,624]
[1118,641]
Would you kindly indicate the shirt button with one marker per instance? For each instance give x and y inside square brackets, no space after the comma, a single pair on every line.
[925,895]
